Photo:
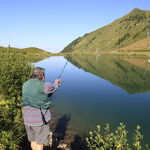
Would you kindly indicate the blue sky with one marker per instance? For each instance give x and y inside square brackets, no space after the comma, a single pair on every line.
[53,24]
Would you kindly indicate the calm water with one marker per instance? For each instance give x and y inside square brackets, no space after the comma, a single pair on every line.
[99,90]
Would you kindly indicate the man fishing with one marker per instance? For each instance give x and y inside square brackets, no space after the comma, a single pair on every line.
[36,107]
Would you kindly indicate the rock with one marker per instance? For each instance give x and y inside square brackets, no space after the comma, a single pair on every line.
[64,146]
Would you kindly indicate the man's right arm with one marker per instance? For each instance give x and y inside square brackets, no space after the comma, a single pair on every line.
[49,88]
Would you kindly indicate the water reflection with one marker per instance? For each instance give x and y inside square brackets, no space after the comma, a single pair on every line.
[119,71]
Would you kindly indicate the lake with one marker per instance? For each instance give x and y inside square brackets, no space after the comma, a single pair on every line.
[97,90]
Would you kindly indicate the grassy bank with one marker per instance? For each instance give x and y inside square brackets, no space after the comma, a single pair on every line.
[131,52]
[138,53]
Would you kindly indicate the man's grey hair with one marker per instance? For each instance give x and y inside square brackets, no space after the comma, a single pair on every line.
[38,73]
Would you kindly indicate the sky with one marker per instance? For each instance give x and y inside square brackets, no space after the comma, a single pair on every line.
[53,24]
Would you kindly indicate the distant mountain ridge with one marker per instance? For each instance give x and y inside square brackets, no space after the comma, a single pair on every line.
[24,50]
[33,54]
[121,33]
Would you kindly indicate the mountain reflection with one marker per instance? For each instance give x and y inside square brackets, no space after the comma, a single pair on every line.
[130,74]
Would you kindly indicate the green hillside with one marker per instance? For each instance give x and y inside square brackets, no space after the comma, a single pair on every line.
[32,53]
[121,33]
[24,50]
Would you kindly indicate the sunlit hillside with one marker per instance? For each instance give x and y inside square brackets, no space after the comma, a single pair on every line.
[127,32]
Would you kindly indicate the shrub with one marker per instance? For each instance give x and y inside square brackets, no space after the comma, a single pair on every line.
[11,132]
[114,141]
[14,71]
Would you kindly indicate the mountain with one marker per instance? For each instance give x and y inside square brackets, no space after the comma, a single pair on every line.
[123,32]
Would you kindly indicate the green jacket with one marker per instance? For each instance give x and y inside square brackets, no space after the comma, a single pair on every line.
[33,94]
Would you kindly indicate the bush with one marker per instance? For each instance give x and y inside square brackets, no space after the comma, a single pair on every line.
[114,141]
[11,132]
[14,71]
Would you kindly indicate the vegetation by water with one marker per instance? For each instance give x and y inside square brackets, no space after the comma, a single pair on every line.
[126,33]
[115,141]
[14,71]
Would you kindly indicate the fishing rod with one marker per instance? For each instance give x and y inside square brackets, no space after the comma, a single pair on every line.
[63,70]
[59,78]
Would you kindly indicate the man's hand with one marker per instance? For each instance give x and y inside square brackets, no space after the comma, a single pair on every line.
[57,80]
